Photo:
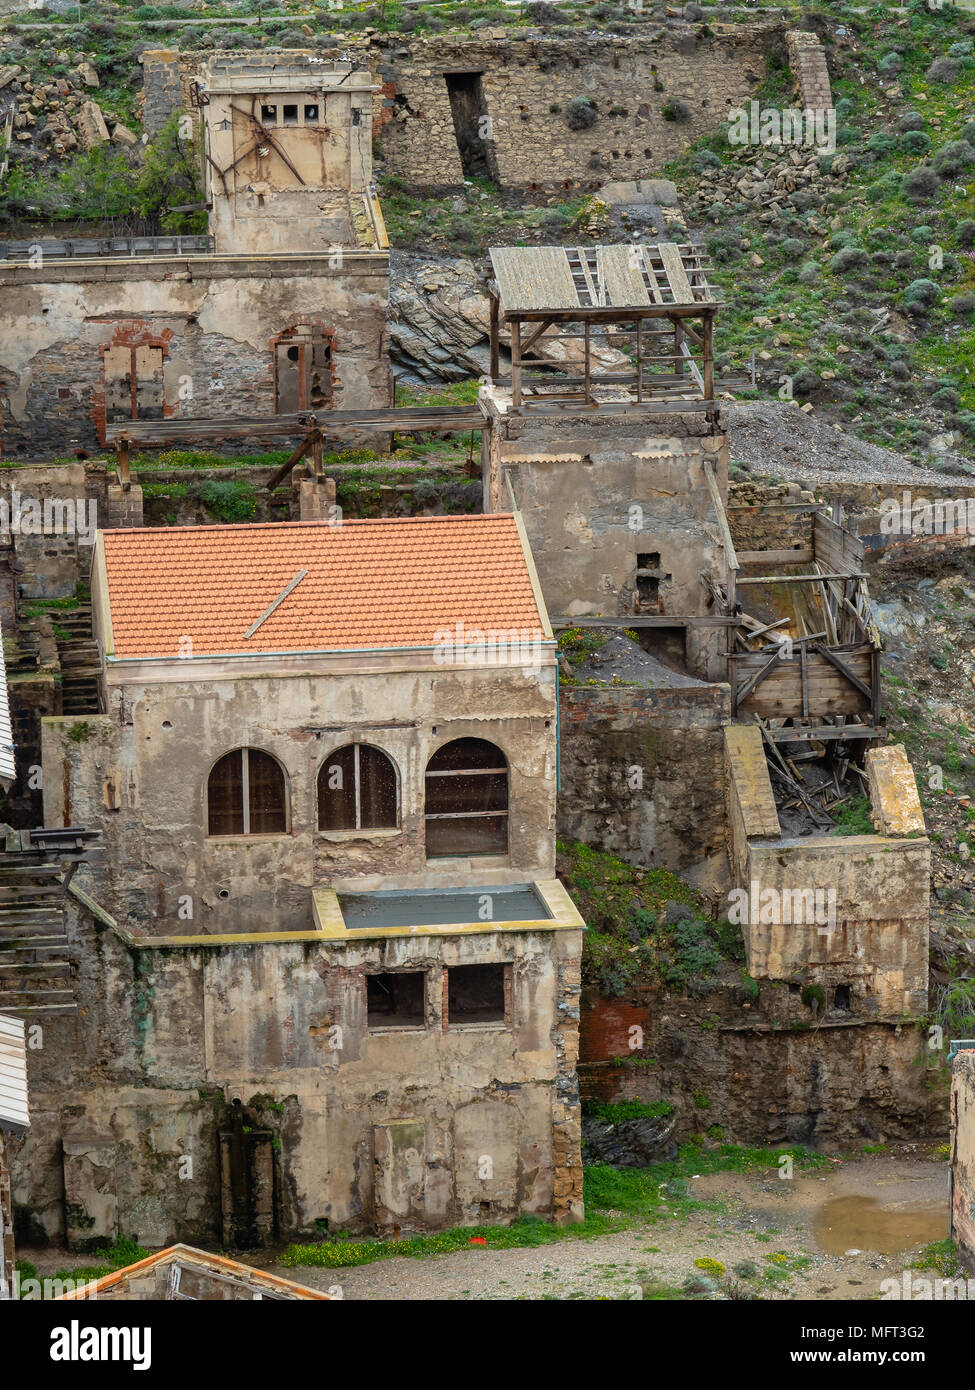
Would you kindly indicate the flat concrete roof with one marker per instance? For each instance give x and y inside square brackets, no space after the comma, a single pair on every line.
[541,905]
[427,907]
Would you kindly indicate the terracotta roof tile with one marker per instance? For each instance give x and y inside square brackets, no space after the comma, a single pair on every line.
[375,583]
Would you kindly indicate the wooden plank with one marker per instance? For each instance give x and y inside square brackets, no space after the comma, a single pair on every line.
[620,276]
[794,578]
[673,265]
[743,691]
[776,557]
[716,502]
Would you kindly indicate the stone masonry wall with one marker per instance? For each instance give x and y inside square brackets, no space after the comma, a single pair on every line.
[807,59]
[672,818]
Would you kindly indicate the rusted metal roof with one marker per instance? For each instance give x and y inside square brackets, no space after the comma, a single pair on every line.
[533,279]
[14,1118]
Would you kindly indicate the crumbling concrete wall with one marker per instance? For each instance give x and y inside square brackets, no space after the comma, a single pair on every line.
[140,773]
[830,911]
[214,320]
[641,772]
[165,1041]
[287,141]
[596,492]
[963,1156]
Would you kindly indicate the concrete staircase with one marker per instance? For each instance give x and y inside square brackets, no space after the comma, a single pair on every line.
[36,969]
[80,665]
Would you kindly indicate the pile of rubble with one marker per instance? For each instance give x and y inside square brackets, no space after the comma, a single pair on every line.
[771,177]
[57,116]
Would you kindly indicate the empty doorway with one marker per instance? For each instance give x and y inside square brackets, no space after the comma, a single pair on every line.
[471,123]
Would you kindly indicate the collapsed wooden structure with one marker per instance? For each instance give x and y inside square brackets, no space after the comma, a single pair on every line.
[805,657]
[653,302]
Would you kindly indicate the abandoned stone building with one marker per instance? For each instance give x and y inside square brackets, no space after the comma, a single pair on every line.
[619,471]
[325,966]
[280,308]
[508,107]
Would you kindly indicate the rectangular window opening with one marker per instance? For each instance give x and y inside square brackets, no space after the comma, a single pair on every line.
[396,1000]
[290,115]
[269,115]
[311,115]
[475,994]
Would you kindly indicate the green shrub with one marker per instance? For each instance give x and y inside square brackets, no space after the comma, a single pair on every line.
[881,143]
[231,500]
[921,184]
[915,142]
[581,113]
[950,160]
[847,259]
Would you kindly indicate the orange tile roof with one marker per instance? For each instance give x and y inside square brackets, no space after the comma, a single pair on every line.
[376,583]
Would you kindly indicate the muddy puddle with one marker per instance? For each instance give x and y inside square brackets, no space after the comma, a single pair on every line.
[862,1223]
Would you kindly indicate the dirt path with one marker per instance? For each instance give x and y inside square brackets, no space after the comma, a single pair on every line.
[884,1208]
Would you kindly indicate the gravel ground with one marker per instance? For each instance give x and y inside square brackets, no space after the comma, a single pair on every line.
[770,1223]
[799,447]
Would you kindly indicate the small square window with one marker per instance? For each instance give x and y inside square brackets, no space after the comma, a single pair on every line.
[475,994]
[311,115]
[290,115]
[269,115]
[396,1000]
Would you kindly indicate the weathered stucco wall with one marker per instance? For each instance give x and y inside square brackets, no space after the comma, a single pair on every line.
[963,1156]
[140,776]
[135,1089]
[641,772]
[598,492]
[214,318]
[848,911]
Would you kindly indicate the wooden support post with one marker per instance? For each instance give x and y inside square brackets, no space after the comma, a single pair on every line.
[495,367]
[708,326]
[678,350]
[516,363]
[588,366]
[122,450]
[317,450]
[639,359]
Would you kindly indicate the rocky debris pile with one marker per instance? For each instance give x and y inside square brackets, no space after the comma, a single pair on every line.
[440,320]
[596,658]
[777,179]
[56,117]
[774,437]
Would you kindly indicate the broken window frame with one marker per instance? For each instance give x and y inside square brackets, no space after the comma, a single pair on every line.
[112,417]
[504,1019]
[358,827]
[377,1024]
[246,811]
[303,337]
[494,813]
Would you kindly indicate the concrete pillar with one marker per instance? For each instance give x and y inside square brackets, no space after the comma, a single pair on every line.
[316,498]
[124,505]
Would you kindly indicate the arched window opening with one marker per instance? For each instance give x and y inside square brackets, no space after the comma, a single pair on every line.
[247,795]
[467,799]
[357,790]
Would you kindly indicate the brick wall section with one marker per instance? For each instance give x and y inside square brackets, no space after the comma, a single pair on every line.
[807,59]
[676,819]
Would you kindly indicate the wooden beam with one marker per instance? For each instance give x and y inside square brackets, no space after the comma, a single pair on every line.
[750,684]
[495,365]
[281,473]
[122,466]
[794,578]
[516,363]
[844,670]
[530,342]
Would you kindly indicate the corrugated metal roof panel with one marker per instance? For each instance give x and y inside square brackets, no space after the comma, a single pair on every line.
[13,1075]
[8,771]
